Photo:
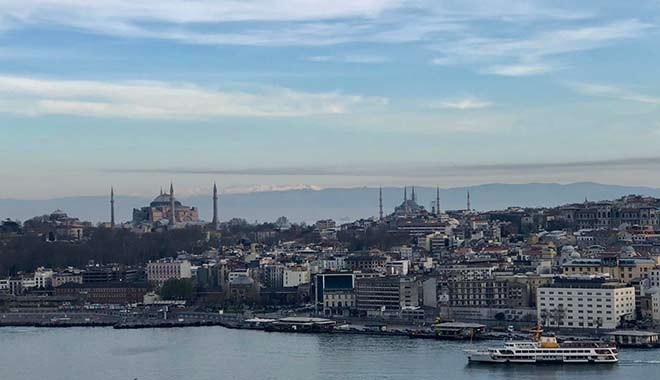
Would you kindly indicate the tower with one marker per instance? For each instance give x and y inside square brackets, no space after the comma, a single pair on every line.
[215,206]
[112,207]
[172,206]
[405,200]
[412,197]
[468,200]
[380,203]
[437,200]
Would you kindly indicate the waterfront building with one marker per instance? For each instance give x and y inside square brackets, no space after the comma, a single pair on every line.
[489,293]
[328,282]
[272,275]
[243,290]
[295,276]
[386,296]
[43,278]
[592,303]
[338,302]
[109,273]
[158,272]
[118,293]
[635,338]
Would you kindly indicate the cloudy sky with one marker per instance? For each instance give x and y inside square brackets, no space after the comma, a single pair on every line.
[276,94]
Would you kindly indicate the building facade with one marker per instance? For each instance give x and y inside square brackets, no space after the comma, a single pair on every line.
[158,272]
[585,304]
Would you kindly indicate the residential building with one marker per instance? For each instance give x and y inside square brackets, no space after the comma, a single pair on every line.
[585,303]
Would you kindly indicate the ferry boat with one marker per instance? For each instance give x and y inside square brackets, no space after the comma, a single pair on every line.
[546,349]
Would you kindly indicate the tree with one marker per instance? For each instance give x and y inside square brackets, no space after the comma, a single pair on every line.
[10,226]
[177,289]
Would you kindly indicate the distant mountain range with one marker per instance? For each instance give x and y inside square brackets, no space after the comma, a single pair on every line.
[341,204]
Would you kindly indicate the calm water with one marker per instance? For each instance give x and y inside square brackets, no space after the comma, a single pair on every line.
[218,353]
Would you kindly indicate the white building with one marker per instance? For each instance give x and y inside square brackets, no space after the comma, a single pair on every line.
[585,303]
[62,278]
[333,264]
[398,267]
[655,307]
[43,278]
[338,302]
[158,272]
[295,276]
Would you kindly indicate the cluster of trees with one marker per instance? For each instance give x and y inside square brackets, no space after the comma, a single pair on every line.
[27,252]
[378,237]
[10,227]
[177,289]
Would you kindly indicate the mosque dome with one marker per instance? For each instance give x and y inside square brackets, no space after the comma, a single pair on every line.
[58,214]
[164,200]
[569,251]
[628,251]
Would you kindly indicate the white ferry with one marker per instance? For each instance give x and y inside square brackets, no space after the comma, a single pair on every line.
[546,349]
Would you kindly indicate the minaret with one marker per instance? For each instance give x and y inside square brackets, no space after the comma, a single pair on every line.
[215,206]
[437,200]
[468,200]
[172,206]
[112,207]
[380,203]
[413,198]
[405,200]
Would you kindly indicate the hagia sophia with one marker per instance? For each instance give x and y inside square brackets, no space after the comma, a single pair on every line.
[165,211]
[159,211]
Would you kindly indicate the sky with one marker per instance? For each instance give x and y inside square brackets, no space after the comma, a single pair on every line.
[267,95]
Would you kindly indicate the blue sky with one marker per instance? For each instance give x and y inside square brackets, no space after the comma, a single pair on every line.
[264,94]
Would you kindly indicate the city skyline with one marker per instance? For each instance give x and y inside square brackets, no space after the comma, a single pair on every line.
[316,94]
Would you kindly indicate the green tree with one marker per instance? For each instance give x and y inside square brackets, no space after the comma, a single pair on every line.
[177,289]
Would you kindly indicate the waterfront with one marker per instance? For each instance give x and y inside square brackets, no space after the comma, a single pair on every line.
[219,353]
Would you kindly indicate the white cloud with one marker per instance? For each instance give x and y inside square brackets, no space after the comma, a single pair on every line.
[525,56]
[159,100]
[615,92]
[266,188]
[284,22]
[199,11]
[350,58]
[518,70]
[466,103]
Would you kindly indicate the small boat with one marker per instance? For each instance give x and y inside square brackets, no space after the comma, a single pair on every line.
[545,349]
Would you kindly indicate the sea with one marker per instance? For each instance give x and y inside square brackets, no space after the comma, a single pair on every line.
[202,353]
